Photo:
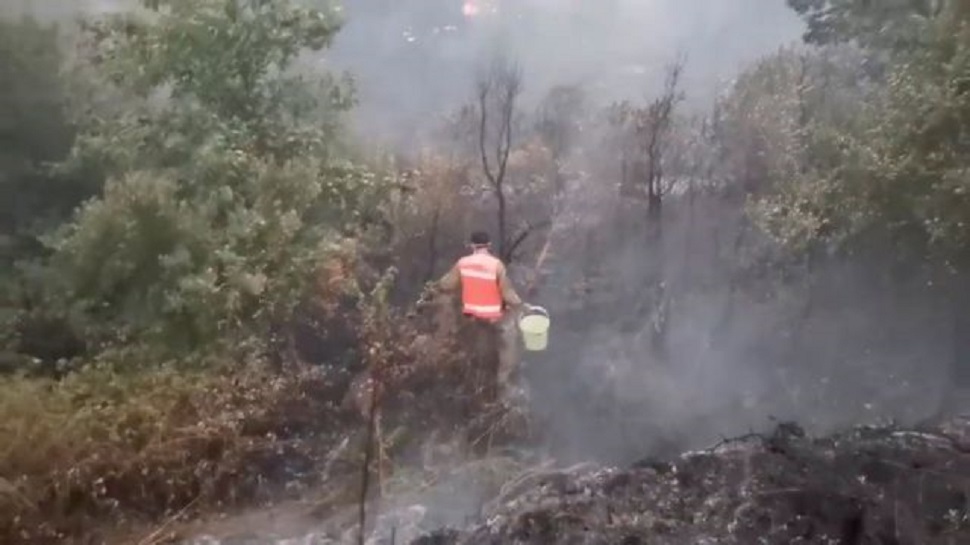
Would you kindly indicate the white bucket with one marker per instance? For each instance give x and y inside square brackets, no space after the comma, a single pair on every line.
[535,329]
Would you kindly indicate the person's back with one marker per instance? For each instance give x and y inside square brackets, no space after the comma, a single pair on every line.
[486,295]
[481,296]
[483,281]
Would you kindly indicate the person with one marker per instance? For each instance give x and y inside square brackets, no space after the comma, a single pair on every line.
[487,296]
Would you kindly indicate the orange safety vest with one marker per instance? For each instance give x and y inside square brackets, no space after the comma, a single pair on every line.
[481,296]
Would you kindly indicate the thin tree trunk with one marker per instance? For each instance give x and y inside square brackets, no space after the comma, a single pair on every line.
[433,245]
[372,437]
[502,212]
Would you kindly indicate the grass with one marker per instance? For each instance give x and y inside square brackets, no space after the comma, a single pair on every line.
[101,445]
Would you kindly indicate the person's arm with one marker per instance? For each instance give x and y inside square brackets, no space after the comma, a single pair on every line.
[451,281]
[509,295]
[447,284]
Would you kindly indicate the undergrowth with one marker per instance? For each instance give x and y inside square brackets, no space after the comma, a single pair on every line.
[101,449]
[109,445]
[102,445]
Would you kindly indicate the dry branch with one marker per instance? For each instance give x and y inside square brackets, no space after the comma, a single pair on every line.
[500,87]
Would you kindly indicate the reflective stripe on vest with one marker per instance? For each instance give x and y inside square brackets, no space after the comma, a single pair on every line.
[480,293]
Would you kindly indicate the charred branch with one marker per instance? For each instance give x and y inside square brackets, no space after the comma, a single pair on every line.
[498,92]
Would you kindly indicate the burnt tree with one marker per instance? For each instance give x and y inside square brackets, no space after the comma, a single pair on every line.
[644,139]
[498,90]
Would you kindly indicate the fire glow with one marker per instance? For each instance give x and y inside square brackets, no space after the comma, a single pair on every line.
[471,8]
[476,8]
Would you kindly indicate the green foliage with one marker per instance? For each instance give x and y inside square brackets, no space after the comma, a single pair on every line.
[225,193]
[35,132]
[900,166]
[142,262]
[226,68]
[883,24]
[779,131]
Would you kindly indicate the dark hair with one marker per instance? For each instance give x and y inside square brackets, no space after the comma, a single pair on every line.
[480,238]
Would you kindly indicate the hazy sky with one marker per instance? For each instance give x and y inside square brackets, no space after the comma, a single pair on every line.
[417,58]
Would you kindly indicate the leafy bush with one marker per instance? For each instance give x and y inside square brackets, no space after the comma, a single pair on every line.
[225,192]
[898,167]
[143,264]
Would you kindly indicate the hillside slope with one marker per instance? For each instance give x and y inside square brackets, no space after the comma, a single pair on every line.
[865,486]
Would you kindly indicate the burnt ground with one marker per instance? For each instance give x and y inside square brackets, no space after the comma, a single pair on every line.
[869,485]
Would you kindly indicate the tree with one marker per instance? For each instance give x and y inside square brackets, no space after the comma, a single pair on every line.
[645,142]
[896,176]
[897,166]
[228,64]
[559,120]
[37,130]
[225,189]
[887,24]
[497,92]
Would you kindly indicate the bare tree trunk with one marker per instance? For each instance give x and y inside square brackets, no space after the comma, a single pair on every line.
[433,245]
[373,436]
[500,87]
[503,241]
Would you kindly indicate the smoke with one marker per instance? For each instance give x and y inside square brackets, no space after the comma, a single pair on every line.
[61,11]
[736,357]
[416,59]
[842,348]
[732,366]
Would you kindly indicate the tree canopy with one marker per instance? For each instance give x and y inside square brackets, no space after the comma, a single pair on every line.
[900,167]
[224,185]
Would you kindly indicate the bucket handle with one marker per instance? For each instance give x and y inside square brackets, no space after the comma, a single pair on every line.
[538,310]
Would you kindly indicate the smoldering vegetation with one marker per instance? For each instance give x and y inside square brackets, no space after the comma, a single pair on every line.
[735,217]
[745,338]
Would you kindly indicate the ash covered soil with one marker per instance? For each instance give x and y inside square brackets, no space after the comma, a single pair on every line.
[867,485]
[864,486]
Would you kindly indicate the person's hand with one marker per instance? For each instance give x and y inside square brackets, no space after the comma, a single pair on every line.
[526,307]
[426,298]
